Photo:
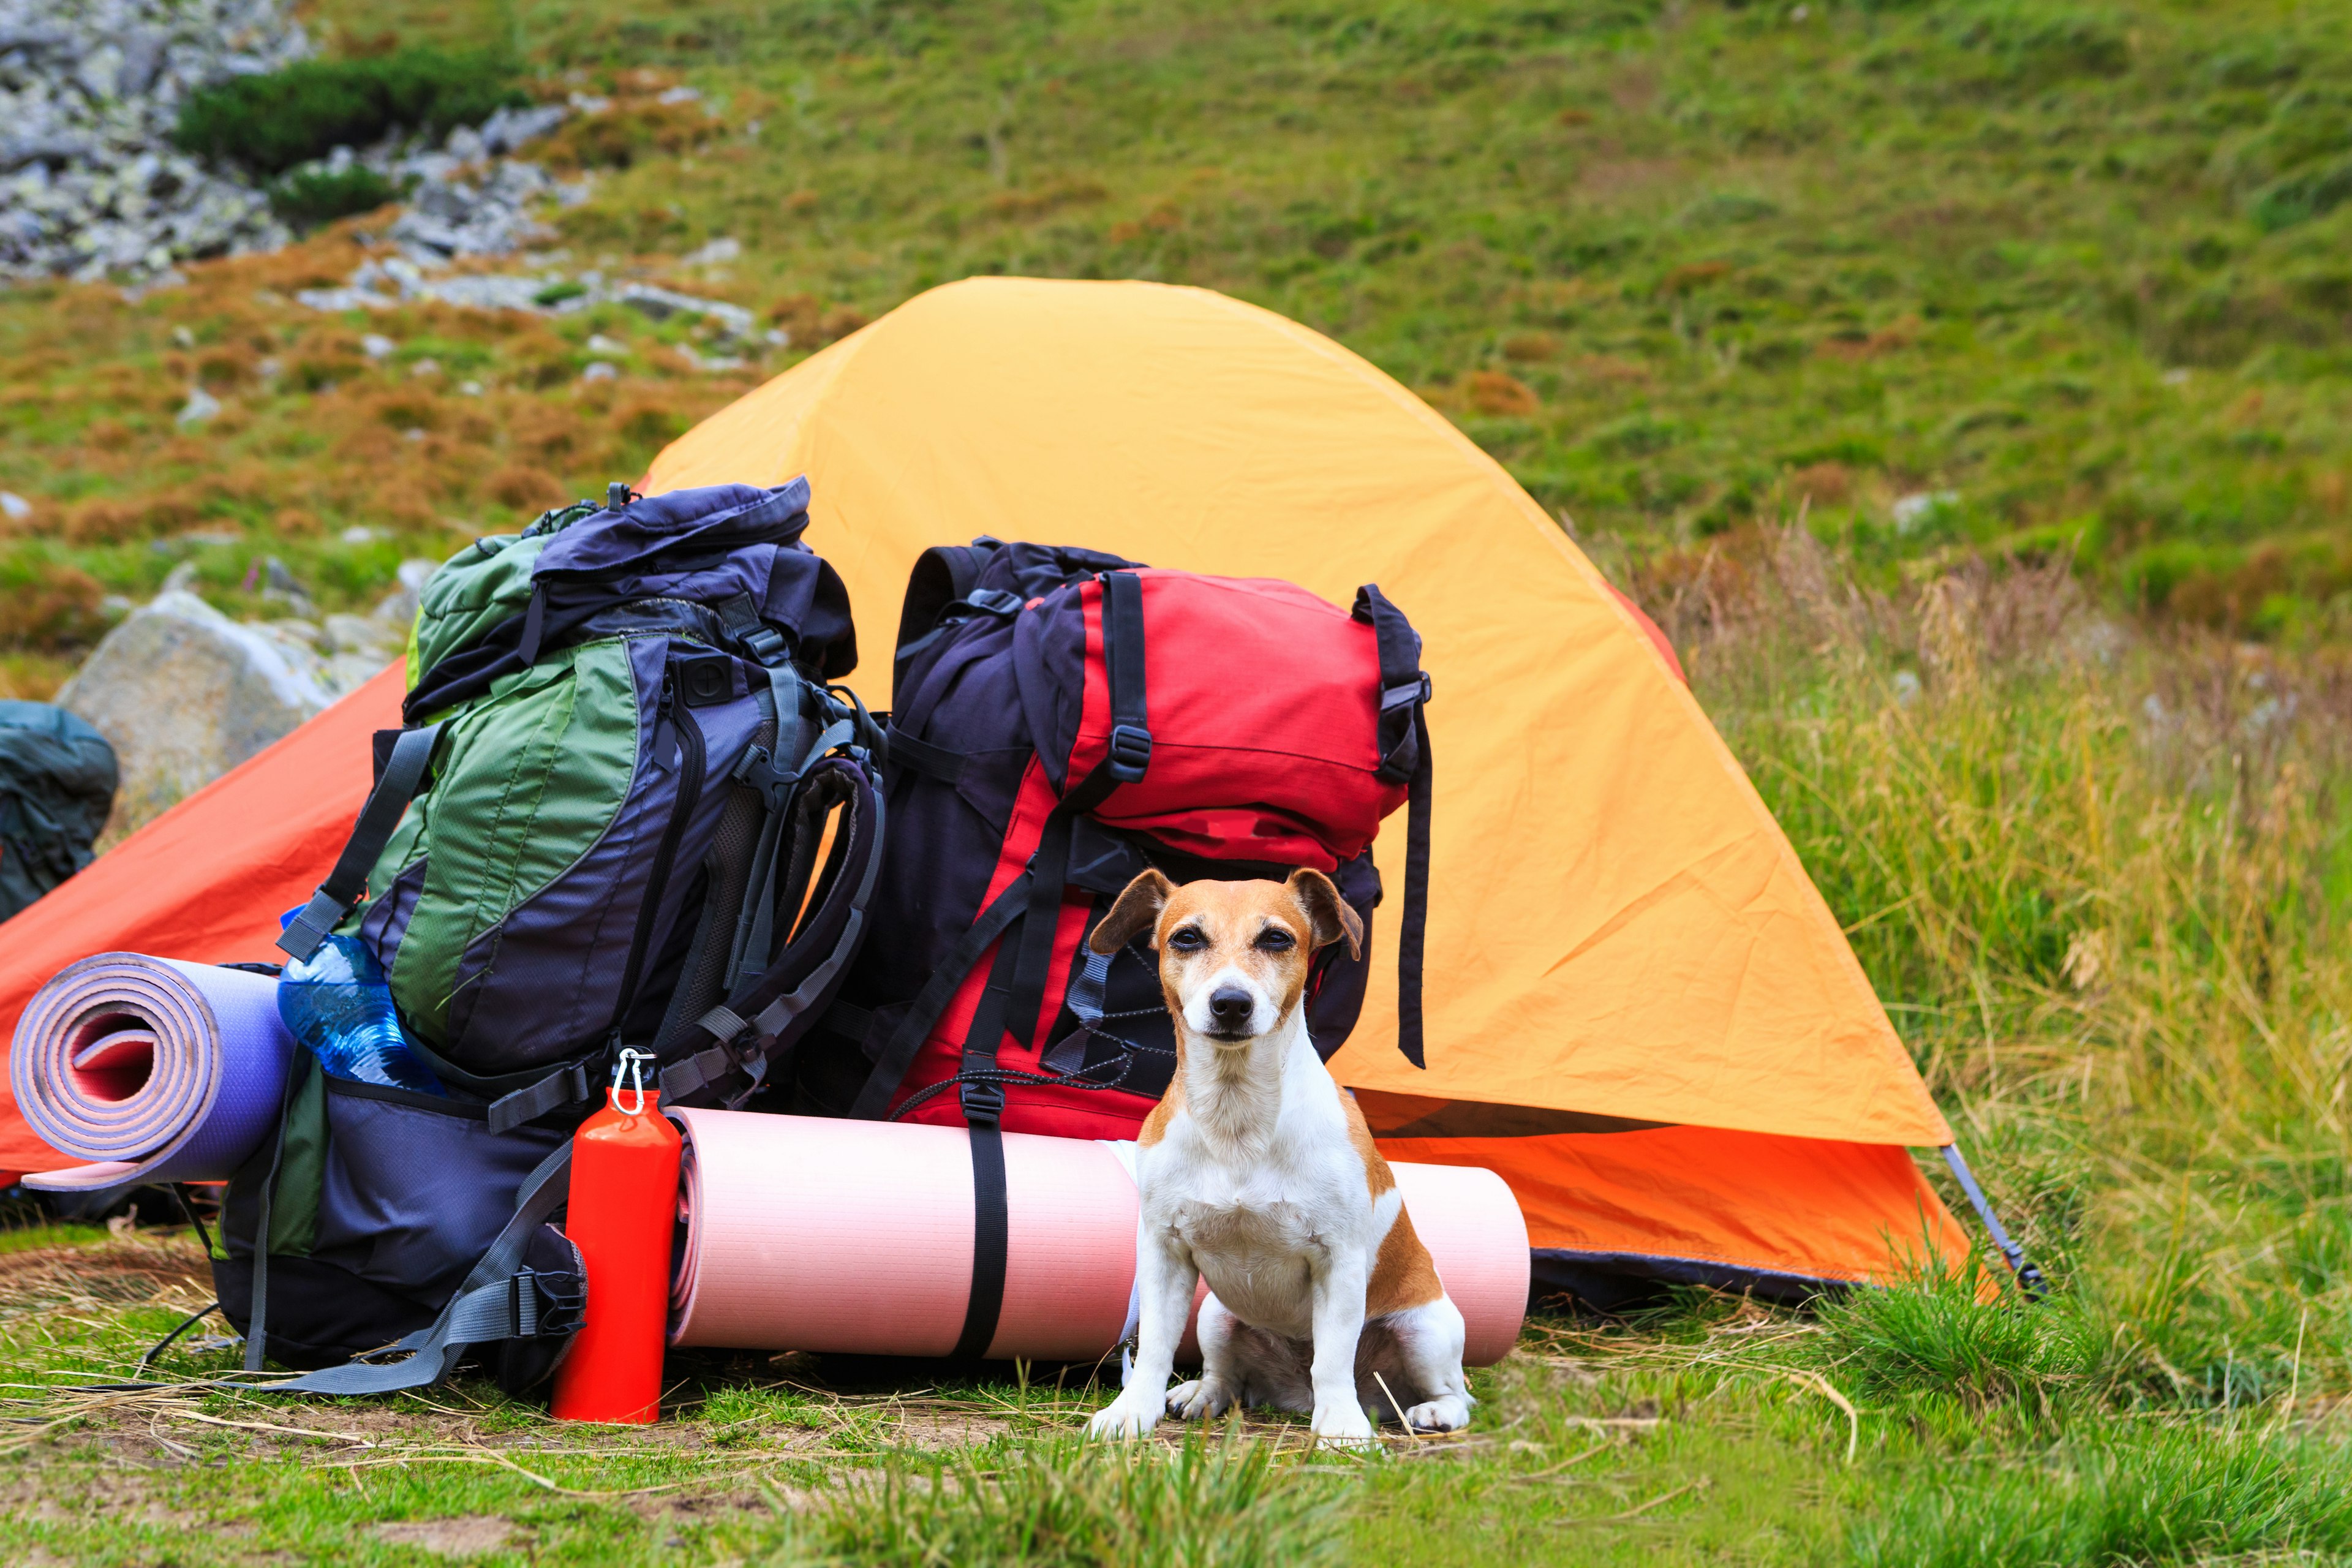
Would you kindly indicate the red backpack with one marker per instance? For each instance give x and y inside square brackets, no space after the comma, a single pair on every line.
[1062,720]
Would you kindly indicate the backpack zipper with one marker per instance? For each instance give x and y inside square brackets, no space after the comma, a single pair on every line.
[689,791]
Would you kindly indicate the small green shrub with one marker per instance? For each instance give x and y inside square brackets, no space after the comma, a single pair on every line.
[2300,196]
[1934,1335]
[273,121]
[312,196]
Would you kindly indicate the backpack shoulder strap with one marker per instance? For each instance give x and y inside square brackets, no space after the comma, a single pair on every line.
[944,576]
[775,1006]
[402,778]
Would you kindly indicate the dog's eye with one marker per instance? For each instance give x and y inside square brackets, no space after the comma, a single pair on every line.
[1273,939]
[1187,939]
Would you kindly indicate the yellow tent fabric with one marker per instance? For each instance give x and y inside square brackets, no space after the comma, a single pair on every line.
[1617,926]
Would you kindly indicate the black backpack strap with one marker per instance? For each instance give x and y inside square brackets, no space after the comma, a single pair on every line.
[1128,756]
[771,1010]
[897,1053]
[1017,983]
[942,580]
[1405,759]
[1125,760]
[402,777]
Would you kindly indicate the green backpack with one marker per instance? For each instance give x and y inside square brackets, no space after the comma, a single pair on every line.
[627,814]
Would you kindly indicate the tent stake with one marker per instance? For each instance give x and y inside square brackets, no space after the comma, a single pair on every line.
[2029,1278]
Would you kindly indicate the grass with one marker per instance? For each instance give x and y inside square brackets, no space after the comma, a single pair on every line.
[1960,385]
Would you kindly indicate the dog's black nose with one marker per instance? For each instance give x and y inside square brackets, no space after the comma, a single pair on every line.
[1231,1008]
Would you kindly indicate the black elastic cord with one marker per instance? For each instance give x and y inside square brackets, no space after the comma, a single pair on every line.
[190,1321]
[898,1053]
[188,1209]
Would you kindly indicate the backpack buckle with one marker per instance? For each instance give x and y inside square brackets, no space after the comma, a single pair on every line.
[983,1103]
[1395,696]
[1131,751]
[993,602]
[765,643]
[759,770]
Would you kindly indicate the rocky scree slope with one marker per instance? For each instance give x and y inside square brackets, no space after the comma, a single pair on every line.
[90,182]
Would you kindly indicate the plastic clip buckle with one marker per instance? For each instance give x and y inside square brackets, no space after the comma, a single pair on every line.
[994,602]
[1131,751]
[759,770]
[1395,696]
[983,1103]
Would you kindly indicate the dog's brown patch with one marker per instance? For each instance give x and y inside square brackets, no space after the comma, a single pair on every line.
[1403,1274]
[1155,1126]
[1377,1176]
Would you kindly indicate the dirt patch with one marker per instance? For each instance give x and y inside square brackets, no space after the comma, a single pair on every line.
[941,1429]
[471,1535]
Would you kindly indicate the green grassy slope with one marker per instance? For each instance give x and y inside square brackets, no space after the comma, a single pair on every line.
[2076,268]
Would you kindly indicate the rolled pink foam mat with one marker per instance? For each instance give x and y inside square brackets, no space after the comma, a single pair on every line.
[856,1237]
[152,1069]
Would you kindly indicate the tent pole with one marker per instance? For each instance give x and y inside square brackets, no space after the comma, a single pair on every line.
[2029,1278]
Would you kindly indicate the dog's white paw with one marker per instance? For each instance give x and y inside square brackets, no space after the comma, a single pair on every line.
[1198,1400]
[1447,1413]
[1343,1424]
[1132,1414]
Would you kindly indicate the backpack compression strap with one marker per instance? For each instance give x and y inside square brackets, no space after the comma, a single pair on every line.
[1404,759]
[402,777]
[1017,981]
[501,1300]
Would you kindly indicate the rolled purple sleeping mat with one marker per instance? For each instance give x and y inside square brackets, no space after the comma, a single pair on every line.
[154,1069]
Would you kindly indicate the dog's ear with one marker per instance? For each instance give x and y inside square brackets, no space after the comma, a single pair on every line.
[1138,909]
[1328,913]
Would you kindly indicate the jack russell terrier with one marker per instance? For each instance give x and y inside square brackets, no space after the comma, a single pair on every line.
[1256,1171]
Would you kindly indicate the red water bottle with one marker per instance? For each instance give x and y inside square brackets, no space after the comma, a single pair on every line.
[624,1208]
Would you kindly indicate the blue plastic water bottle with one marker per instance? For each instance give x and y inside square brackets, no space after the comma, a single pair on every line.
[335,1001]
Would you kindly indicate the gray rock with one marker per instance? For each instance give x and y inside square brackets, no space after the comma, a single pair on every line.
[507,130]
[397,610]
[365,635]
[185,694]
[660,304]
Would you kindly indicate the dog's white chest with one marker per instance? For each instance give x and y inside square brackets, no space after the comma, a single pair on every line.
[1259,1256]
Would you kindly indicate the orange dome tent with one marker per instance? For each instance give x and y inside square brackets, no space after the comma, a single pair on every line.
[1640,1012]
